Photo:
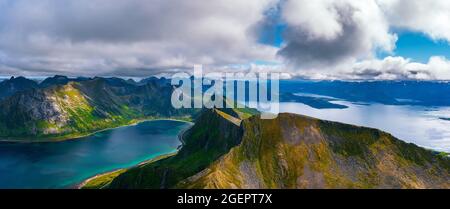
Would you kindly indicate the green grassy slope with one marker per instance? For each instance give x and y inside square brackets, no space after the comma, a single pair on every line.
[294,151]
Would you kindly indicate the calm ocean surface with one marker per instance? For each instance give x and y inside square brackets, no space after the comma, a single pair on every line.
[423,126]
[64,164]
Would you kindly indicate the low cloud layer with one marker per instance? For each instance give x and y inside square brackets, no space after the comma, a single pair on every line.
[389,68]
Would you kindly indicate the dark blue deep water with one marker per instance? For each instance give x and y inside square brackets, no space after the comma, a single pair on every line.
[65,164]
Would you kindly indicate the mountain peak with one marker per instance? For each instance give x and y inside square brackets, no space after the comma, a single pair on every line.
[55,80]
[294,151]
[16,84]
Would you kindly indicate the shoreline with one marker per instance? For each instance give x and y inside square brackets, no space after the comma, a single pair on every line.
[154,159]
[77,137]
[84,182]
[160,157]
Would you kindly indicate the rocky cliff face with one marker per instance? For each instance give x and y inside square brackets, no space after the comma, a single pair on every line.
[291,151]
[27,113]
[66,108]
[56,111]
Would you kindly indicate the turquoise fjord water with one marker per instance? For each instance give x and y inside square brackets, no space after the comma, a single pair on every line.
[65,164]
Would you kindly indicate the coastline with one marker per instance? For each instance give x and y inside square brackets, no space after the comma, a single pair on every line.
[86,181]
[160,157]
[78,136]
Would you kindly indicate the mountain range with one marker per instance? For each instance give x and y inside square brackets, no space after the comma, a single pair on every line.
[225,148]
[60,107]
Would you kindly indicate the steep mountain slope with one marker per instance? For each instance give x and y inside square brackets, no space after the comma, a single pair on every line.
[56,112]
[294,151]
[13,85]
[78,108]
[203,144]
[291,151]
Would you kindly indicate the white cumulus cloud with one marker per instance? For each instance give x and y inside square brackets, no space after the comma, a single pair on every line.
[340,39]
[431,17]
[327,32]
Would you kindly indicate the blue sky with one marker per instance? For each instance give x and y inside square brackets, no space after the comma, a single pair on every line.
[419,47]
[273,35]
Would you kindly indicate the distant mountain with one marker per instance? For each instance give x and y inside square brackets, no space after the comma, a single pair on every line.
[291,151]
[161,81]
[424,93]
[67,108]
[315,102]
[59,80]
[13,85]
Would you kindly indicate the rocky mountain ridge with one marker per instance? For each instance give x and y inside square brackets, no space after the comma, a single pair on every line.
[291,151]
